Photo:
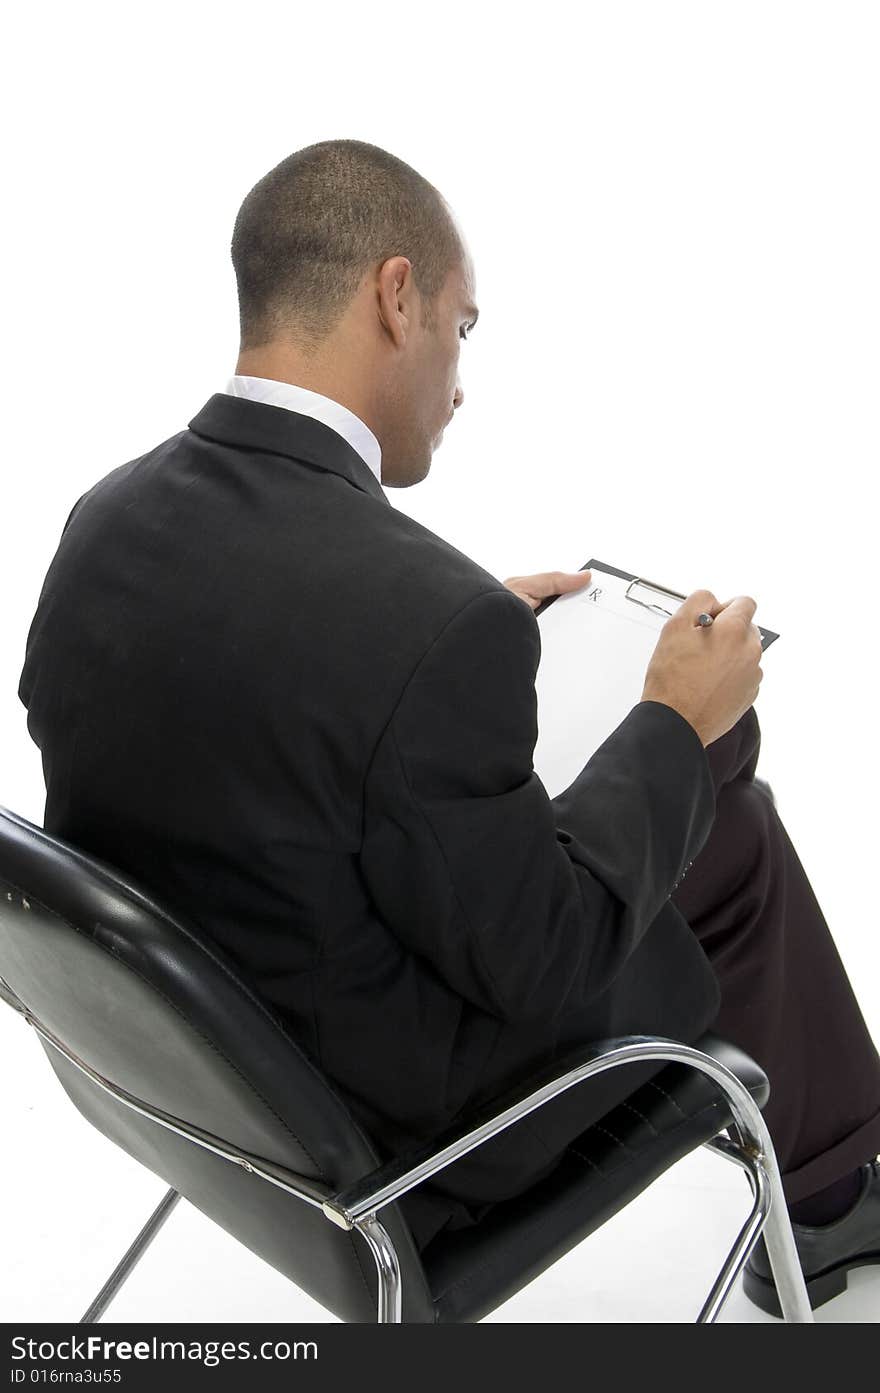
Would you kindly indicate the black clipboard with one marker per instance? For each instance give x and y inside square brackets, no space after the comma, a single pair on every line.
[767,636]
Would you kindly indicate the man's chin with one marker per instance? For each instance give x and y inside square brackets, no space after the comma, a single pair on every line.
[412,478]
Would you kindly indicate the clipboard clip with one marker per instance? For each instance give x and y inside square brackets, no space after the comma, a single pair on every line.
[658,589]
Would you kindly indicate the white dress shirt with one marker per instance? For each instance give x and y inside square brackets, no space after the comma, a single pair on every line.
[308,403]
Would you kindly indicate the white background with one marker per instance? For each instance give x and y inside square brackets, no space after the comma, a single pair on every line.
[674,214]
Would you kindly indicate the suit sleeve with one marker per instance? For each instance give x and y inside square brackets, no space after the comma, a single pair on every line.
[526,906]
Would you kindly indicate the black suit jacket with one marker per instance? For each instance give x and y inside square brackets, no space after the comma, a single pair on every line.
[306,722]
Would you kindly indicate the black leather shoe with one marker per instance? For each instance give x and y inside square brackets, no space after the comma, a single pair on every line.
[826,1252]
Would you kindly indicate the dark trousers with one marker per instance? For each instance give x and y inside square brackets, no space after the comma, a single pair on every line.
[785,996]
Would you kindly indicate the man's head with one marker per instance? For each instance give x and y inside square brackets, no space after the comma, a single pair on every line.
[354,281]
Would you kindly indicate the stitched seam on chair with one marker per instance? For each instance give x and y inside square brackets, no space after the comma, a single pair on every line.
[652,1084]
[589,1160]
[463,1281]
[597,1127]
[629,1107]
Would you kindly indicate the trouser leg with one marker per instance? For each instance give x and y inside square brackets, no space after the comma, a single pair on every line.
[786,997]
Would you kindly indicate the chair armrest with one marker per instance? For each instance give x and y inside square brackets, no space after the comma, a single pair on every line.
[391,1180]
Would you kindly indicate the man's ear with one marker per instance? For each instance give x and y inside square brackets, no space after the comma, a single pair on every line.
[396,298]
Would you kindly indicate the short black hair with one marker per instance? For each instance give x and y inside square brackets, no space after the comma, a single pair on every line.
[307,233]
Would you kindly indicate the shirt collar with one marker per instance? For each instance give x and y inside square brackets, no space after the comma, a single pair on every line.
[315,404]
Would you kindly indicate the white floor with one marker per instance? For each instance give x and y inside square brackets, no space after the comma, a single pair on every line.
[73,1202]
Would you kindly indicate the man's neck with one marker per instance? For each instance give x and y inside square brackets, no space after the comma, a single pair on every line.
[314,372]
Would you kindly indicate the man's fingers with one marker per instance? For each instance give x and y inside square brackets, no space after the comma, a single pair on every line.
[697,603]
[549,582]
[743,606]
[705,602]
[568,580]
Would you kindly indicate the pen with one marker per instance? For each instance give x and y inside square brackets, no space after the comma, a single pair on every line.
[705,619]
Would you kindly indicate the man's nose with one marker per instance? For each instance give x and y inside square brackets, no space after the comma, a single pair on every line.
[459,396]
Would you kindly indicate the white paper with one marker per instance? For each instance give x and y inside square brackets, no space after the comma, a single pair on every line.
[595,650]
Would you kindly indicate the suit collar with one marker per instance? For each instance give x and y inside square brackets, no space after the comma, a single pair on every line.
[258,425]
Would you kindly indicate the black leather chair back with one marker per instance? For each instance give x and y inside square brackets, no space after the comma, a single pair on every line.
[148,1002]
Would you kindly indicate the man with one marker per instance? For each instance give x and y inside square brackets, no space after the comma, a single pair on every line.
[306,722]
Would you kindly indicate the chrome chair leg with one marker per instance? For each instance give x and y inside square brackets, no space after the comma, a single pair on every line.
[135,1252]
[387,1265]
[750,1231]
[749,1136]
[770,1214]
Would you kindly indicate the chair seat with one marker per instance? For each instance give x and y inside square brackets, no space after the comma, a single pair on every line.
[472,1271]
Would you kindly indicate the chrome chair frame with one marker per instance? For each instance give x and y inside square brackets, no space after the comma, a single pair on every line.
[748,1144]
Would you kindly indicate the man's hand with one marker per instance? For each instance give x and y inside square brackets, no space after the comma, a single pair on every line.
[708,675]
[534,589]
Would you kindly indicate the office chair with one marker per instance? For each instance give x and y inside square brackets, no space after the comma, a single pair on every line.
[162,1046]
